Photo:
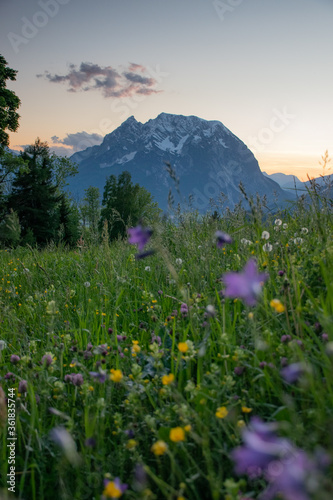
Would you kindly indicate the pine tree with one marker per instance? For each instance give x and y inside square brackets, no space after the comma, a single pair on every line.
[35,195]
[124,204]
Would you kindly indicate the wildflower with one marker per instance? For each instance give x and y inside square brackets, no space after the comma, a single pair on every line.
[147,268]
[285,338]
[77,379]
[100,376]
[293,372]
[65,441]
[267,247]
[239,370]
[304,230]
[116,375]
[47,360]
[86,284]
[14,359]
[324,337]
[285,226]
[246,285]
[278,222]
[177,434]
[298,241]
[90,442]
[159,448]
[179,262]
[168,379]
[183,347]
[281,273]
[245,409]
[222,239]
[139,236]
[221,412]
[277,305]
[114,489]
[265,235]
[210,310]
[261,447]
[23,386]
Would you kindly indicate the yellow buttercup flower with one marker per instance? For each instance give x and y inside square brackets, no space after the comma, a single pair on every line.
[183,347]
[112,491]
[159,448]
[221,412]
[177,434]
[245,409]
[116,375]
[168,379]
[277,305]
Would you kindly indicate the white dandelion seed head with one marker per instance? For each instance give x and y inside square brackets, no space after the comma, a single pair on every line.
[86,284]
[179,262]
[147,268]
[304,230]
[284,226]
[265,235]
[278,222]
[267,247]
[298,241]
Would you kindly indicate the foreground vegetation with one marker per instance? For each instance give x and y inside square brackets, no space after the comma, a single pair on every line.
[143,378]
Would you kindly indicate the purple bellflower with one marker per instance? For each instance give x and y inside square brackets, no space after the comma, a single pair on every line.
[246,285]
[139,236]
[222,239]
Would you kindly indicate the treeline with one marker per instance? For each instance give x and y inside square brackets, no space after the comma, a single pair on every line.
[35,208]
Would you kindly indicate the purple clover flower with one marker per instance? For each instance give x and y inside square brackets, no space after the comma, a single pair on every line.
[14,359]
[222,239]
[246,285]
[23,386]
[47,360]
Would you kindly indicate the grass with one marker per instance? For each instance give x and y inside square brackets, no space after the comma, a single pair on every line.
[97,309]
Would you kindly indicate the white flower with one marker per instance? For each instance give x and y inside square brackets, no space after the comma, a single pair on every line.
[278,222]
[147,268]
[298,241]
[199,246]
[267,247]
[26,270]
[246,242]
[179,262]
[276,228]
[3,345]
[86,284]
[265,235]
[284,226]
[304,230]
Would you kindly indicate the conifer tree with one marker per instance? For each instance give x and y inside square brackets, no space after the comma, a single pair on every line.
[35,195]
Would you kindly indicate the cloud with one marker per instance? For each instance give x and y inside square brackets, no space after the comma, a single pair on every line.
[79,140]
[109,81]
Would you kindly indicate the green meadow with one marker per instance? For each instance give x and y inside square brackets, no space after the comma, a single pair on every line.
[139,378]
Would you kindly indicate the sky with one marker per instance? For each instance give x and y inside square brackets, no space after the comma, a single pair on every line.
[261,67]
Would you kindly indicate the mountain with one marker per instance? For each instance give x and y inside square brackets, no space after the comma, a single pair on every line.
[206,156]
[286,181]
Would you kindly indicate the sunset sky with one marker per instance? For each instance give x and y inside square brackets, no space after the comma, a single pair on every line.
[261,67]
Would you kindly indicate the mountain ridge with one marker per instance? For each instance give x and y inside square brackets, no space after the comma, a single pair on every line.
[206,156]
